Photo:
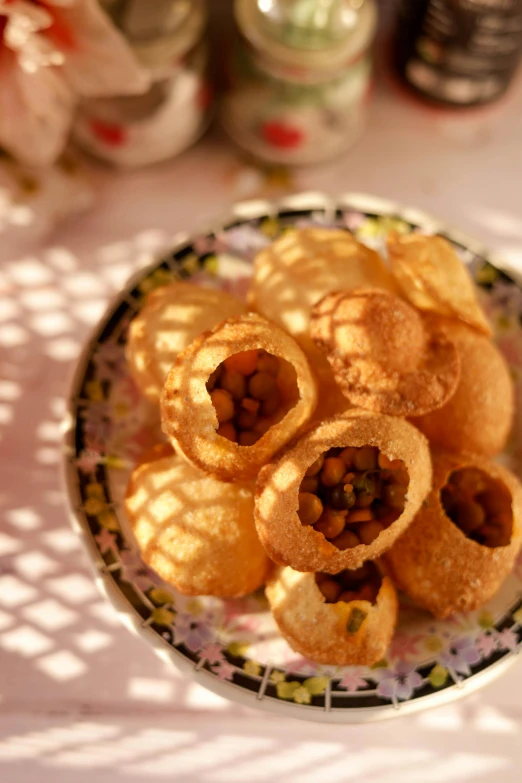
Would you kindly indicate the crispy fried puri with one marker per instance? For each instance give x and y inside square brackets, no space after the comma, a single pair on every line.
[236,395]
[479,416]
[384,356]
[349,631]
[291,539]
[197,533]
[303,265]
[437,563]
[170,319]
[433,278]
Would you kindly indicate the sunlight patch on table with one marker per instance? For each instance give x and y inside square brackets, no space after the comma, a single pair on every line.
[62,666]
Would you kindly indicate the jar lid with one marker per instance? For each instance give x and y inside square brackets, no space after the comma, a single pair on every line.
[274,27]
[161,31]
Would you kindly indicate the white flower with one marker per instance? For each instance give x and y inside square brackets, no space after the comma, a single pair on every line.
[53,52]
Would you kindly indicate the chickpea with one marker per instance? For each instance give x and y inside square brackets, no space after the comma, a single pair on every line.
[262,386]
[250,405]
[228,431]
[268,363]
[246,420]
[223,405]
[352,577]
[340,498]
[213,379]
[347,596]
[333,471]
[394,496]
[365,458]
[346,540]
[244,362]
[310,508]
[330,589]
[468,516]
[369,531]
[384,462]
[309,484]
[315,467]
[347,455]
[262,426]
[248,438]
[234,383]
[270,406]
[331,523]
[359,515]
[366,593]
[364,500]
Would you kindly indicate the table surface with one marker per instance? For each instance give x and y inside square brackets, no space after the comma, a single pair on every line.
[58,638]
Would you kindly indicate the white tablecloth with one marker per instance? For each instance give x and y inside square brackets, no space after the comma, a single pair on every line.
[80,698]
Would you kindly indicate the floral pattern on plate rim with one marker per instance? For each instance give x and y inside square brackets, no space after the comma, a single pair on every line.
[231,639]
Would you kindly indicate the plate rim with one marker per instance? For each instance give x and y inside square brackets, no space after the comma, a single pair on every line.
[251,209]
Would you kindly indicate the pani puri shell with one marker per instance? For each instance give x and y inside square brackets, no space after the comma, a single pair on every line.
[188,415]
[436,564]
[384,356]
[197,533]
[286,540]
[170,319]
[303,265]
[432,277]
[319,630]
[479,416]
[330,399]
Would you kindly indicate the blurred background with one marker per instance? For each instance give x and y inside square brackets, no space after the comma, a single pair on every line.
[124,123]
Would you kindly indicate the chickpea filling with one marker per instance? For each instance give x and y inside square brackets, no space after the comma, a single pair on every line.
[251,391]
[351,495]
[361,584]
[479,505]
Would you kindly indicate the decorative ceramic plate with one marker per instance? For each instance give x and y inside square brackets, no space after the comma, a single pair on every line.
[233,646]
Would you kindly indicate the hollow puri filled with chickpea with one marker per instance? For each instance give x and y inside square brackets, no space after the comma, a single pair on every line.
[463,542]
[343,492]
[251,391]
[236,395]
[344,619]
[171,317]
[351,495]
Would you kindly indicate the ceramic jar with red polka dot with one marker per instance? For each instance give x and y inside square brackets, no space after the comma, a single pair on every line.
[297,104]
[137,130]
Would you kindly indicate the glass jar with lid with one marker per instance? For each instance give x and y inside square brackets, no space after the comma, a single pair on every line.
[299,77]
[168,39]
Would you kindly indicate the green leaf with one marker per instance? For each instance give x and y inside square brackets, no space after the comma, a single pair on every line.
[438,676]
[286,690]
[382,664]
[316,685]
[355,620]
[517,616]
